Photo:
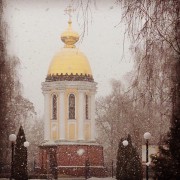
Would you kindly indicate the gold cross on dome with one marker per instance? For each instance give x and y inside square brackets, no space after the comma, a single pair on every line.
[68,11]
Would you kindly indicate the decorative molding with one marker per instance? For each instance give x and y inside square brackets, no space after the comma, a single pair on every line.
[71,77]
[63,85]
[68,142]
[80,166]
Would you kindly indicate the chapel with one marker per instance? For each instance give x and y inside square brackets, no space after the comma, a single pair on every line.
[69,146]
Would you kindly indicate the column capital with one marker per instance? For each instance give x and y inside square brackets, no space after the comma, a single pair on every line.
[81,90]
[62,91]
[93,93]
[46,92]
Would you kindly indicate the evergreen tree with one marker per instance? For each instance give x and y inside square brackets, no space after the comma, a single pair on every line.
[128,162]
[20,157]
[166,164]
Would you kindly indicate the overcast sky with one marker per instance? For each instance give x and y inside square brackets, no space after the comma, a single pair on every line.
[34,37]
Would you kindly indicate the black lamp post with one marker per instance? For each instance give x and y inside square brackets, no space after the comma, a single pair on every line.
[12,138]
[147,136]
[87,169]
[112,168]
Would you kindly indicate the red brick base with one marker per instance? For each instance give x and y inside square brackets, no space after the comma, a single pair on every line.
[69,161]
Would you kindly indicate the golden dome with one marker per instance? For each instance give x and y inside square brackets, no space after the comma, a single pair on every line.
[69,61]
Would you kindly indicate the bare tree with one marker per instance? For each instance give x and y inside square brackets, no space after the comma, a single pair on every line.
[153,26]
[116,117]
[15,110]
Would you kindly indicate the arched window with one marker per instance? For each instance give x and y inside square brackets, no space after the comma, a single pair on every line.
[54,106]
[71,106]
[87,107]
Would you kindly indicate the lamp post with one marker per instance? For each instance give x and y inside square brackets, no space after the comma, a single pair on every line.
[80,152]
[26,144]
[112,166]
[147,136]
[12,138]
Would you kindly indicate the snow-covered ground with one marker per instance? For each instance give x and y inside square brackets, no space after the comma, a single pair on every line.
[93,178]
[108,178]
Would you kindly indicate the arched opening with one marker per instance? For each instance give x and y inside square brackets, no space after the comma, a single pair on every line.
[71,106]
[87,107]
[54,107]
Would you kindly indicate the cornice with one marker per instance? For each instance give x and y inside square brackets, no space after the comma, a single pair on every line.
[63,85]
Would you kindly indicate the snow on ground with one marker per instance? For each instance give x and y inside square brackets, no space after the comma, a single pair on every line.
[93,178]
[108,178]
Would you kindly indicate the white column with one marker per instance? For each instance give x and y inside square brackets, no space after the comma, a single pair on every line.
[81,116]
[93,126]
[62,116]
[46,116]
